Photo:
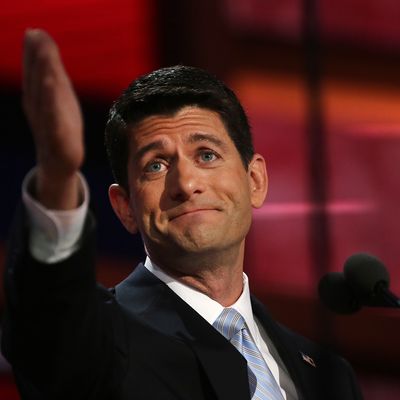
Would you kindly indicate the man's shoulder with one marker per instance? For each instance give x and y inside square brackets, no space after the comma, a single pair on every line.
[311,364]
[287,336]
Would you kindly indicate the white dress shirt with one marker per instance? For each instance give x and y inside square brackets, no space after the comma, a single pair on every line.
[54,236]
[209,309]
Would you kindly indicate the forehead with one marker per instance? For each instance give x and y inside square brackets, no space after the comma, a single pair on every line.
[188,120]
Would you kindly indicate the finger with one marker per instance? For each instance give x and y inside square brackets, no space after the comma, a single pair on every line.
[31,42]
[26,70]
[42,64]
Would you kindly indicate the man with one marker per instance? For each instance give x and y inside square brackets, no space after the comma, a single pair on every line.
[187,178]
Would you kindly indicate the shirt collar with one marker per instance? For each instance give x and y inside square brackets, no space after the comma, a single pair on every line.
[208,308]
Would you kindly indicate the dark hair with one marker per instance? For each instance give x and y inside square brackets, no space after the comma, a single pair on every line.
[165,92]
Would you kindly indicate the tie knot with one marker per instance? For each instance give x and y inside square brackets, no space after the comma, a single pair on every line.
[229,322]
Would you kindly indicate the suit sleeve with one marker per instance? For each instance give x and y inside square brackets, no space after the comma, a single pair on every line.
[57,329]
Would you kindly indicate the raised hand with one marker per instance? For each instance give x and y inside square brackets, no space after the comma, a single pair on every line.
[54,115]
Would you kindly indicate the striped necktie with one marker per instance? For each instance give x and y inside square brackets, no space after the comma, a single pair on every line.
[262,383]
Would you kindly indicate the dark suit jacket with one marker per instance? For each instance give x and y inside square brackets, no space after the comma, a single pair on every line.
[68,338]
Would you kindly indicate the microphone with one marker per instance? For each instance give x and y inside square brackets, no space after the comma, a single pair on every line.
[364,282]
[337,294]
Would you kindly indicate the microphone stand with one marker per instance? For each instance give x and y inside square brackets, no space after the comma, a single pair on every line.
[389,298]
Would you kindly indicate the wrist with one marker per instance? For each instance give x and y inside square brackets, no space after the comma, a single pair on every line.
[56,191]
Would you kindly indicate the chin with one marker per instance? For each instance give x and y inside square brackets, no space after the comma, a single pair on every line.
[201,243]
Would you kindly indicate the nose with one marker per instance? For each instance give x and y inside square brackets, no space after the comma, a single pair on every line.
[184,180]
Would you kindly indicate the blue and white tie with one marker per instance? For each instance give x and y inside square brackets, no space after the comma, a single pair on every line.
[262,383]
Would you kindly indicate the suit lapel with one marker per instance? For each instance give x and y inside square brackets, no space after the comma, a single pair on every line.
[153,302]
[300,359]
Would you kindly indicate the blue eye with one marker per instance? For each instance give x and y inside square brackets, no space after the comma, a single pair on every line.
[208,156]
[155,166]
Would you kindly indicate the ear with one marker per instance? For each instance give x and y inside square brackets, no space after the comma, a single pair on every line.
[119,200]
[258,180]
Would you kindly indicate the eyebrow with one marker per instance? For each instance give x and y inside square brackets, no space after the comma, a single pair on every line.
[206,137]
[156,145]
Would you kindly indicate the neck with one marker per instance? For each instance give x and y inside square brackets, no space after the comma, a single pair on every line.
[219,276]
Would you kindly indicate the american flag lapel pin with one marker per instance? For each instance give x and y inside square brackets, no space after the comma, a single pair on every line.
[306,358]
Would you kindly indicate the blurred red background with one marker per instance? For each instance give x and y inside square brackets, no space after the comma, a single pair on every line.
[324,107]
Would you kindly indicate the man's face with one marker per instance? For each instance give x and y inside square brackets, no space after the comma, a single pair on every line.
[189,192]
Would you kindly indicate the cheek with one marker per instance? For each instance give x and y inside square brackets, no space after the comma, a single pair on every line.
[145,203]
[236,187]
[138,204]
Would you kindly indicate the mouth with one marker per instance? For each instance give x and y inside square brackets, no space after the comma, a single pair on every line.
[190,212]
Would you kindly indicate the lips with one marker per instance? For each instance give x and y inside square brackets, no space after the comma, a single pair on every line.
[181,211]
